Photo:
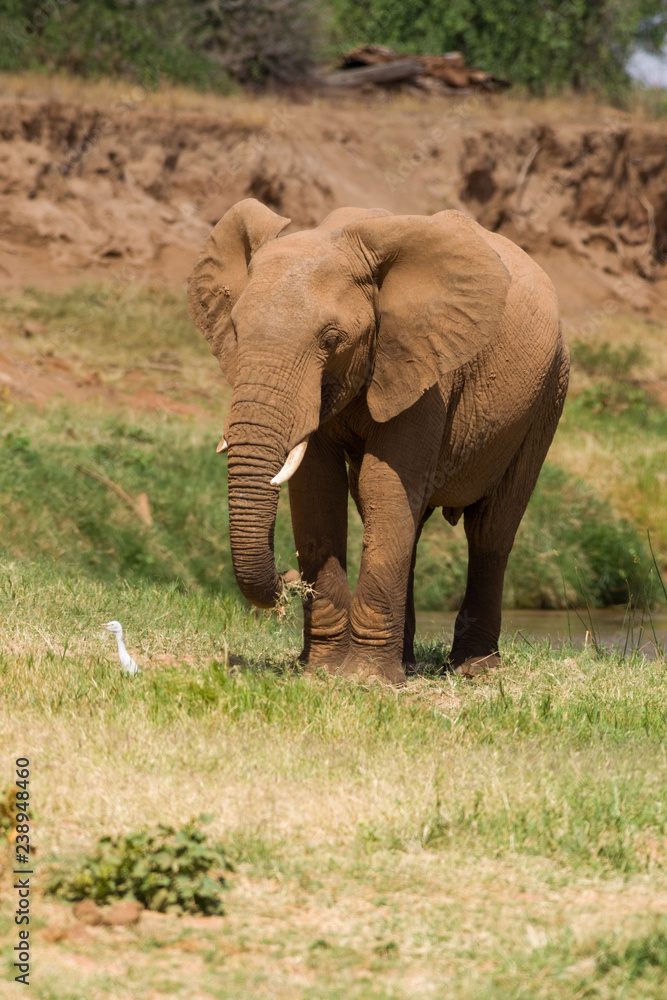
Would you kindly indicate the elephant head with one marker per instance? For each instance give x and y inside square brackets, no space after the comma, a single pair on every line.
[365,303]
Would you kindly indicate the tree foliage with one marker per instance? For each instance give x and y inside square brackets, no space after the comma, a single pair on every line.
[144,40]
[550,43]
[545,44]
[204,43]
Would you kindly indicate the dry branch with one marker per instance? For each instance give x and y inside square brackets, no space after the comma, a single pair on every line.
[395,72]
[141,506]
[441,74]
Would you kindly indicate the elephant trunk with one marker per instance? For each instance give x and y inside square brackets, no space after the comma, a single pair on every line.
[262,431]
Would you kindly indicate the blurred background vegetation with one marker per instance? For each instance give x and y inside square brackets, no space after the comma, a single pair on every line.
[581,541]
[219,44]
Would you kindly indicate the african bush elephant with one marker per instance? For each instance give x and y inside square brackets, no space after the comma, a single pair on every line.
[424,352]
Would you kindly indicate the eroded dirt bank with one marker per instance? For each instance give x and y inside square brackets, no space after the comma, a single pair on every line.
[87,191]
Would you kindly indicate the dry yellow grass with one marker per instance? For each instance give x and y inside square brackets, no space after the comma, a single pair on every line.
[336,891]
[258,109]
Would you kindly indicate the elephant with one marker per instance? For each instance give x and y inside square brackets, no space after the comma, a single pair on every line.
[414,361]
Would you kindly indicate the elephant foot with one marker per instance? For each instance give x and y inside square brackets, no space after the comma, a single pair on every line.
[340,662]
[476,665]
[366,669]
[329,658]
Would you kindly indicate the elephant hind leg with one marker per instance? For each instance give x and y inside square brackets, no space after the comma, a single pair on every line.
[318,501]
[491,525]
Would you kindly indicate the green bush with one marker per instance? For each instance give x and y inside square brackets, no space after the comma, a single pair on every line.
[640,955]
[612,369]
[165,869]
[203,43]
[144,41]
[554,43]
[606,360]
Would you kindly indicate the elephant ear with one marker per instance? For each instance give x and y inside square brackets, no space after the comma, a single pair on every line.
[221,274]
[441,293]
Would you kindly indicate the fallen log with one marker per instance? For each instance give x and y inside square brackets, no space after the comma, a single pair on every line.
[439,74]
[394,72]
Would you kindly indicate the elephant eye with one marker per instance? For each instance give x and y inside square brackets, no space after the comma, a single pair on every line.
[330,342]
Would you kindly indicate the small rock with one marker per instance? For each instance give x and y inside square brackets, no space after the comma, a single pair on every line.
[32,329]
[74,933]
[91,379]
[88,912]
[126,911]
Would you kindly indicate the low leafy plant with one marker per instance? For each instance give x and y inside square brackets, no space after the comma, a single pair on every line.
[640,955]
[615,397]
[613,370]
[168,870]
[7,812]
[606,360]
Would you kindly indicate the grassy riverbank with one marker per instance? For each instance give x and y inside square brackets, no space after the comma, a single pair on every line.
[501,838]
[504,838]
[135,405]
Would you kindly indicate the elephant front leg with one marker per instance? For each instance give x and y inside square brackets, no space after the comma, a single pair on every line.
[409,658]
[392,512]
[318,501]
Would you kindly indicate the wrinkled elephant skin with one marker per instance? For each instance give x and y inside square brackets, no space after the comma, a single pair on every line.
[422,360]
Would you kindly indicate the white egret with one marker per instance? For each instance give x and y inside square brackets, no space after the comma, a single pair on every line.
[126,661]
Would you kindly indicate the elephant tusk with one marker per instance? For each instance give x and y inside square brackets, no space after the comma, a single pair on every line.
[223,446]
[292,464]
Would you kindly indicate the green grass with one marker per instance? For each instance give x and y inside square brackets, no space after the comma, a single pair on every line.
[113,326]
[377,835]
[503,838]
[571,543]
[568,535]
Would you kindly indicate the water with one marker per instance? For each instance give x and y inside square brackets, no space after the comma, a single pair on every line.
[609,624]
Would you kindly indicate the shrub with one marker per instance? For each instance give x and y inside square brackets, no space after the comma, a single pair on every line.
[554,43]
[259,40]
[198,42]
[639,956]
[606,360]
[165,869]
